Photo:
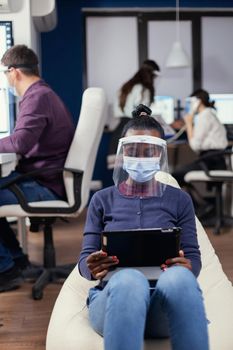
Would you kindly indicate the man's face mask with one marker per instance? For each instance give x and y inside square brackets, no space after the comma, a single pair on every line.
[13,90]
[8,82]
[141,169]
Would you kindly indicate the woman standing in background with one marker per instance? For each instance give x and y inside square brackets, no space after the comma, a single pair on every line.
[138,90]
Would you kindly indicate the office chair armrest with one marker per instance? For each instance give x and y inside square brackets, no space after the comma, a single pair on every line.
[225,152]
[12,186]
[31,174]
[72,170]
[201,161]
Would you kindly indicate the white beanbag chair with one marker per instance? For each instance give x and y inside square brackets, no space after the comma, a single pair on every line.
[69,327]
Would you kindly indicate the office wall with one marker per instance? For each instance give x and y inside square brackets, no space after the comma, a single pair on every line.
[62,48]
[63,56]
[217,55]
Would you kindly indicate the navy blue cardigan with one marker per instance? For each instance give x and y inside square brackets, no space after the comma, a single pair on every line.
[110,210]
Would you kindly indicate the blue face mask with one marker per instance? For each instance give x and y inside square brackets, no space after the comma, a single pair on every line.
[13,90]
[141,169]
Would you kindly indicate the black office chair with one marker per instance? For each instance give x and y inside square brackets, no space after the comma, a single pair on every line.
[77,174]
[215,179]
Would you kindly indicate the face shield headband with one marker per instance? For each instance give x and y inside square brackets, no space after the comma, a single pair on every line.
[139,158]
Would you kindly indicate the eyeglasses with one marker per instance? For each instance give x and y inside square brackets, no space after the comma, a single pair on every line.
[8,71]
[5,69]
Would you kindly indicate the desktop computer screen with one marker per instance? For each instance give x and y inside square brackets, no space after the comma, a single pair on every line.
[187,105]
[224,107]
[164,106]
[163,111]
[6,99]
[5,36]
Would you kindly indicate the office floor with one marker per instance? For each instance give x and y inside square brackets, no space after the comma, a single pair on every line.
[24,321]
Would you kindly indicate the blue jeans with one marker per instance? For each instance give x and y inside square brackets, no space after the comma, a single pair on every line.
[9,245]
[125,311]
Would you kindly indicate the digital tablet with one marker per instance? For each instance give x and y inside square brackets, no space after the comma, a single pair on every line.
[142,247]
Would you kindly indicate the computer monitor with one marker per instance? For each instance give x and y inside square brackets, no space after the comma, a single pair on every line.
[6,99]
[224,107]
[164,106]
[187,105]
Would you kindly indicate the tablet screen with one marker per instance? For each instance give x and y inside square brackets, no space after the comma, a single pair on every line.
[142,247]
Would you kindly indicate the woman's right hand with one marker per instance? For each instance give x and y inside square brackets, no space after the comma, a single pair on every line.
[99,263]
[188,118]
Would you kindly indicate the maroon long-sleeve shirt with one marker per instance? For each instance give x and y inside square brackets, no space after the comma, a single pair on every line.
[42,135]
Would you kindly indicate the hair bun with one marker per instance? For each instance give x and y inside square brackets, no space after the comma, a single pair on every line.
[141,110]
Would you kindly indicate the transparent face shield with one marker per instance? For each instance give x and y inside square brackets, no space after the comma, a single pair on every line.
[139,158]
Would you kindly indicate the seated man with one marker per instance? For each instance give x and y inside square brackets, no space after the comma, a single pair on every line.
[42,137]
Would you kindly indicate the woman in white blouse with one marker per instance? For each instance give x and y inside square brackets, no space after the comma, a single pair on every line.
[205,133]
[137,90]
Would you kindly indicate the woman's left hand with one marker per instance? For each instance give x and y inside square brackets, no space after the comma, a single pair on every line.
[178,261]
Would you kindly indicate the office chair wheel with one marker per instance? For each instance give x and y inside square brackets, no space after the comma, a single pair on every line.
[216,231]
[36,294]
